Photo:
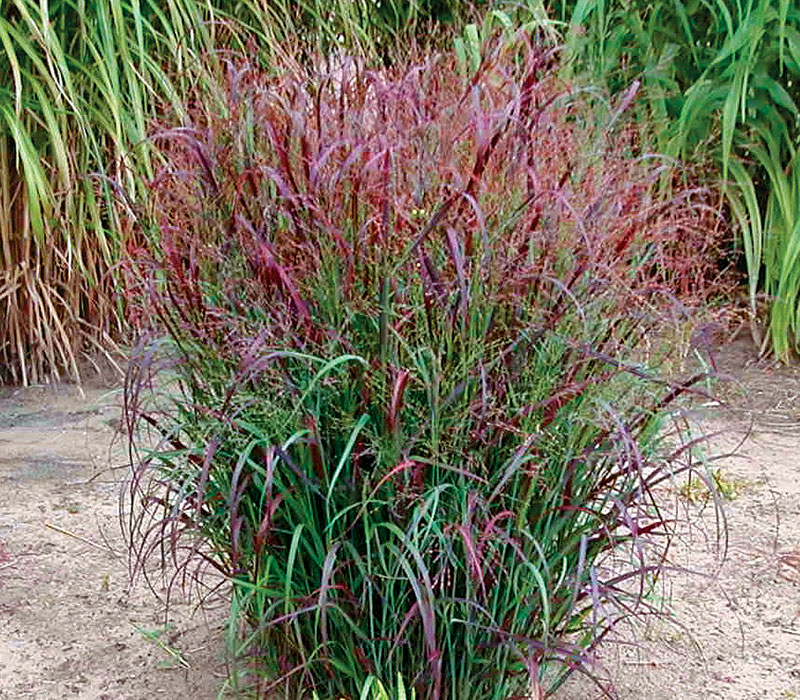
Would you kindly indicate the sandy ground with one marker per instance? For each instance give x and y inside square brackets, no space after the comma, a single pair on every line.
[70,627]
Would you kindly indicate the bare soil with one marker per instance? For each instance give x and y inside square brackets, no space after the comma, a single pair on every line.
[71,626]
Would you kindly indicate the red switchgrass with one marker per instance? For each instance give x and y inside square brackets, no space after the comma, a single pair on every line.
[393,326]
[500,150]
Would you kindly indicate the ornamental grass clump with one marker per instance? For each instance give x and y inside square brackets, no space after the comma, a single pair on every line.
[395,373]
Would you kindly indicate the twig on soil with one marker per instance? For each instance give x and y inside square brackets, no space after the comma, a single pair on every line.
[7,564]
[103,471]
[155,637]
[82,539]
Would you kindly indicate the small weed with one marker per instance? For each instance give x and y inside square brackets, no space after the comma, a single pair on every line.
[697,489]
[70,507]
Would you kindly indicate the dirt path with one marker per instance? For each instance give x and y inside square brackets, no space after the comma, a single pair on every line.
[70,628]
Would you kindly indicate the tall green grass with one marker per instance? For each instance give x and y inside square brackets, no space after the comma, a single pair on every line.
[721,82]
[80,83]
